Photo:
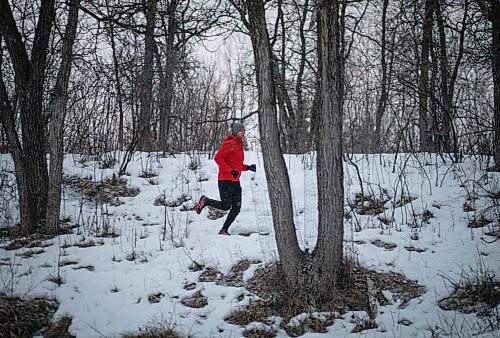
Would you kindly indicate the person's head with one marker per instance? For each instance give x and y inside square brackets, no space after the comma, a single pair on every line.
[238,129]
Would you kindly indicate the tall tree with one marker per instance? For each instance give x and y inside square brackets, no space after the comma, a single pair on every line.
[306,274]
[118,82]
[57,110]
[491,9]
[448,79]
[146,88]
[167,73]
[382,100]
[28,149]
[274,164]
[423,87]
[328,253]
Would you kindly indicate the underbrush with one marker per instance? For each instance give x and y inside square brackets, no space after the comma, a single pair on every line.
[22,318]
[477,291]
[278,309]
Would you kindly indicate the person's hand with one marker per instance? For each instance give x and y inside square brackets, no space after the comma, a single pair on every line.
[234,173]
[252,167]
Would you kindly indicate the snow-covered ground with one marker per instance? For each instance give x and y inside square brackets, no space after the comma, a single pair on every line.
[141,267]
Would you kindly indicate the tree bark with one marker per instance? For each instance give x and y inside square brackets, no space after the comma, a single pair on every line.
[118,84]
[423,88]
[382,101]
[495,21]
[28,151]
[491,10]
[328,253]
[146,89]
[445,121]
[167,76]
[58,114]
[276,172]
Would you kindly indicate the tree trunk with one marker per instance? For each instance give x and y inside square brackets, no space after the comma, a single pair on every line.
[495,21]
[58,114]
[146,89]
[276,172]
[444,137]
[29,154]
[423,87]
[301,127]
[118,84]
[382,101]
[491,10]
[167,77]
[328,253]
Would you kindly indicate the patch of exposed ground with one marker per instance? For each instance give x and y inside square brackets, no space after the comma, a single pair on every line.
[106,191]
[368,205]
[361,285]
[196,300]
[22,318]
[233,278]
[479,222]
[385,245]
[162,200]
[32,241]
[472,297]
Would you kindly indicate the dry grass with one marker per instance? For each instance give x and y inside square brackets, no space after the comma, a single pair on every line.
[196,301]
[154,332]
[473,295]
[31,241]
[105,192]
[59,329]
[477,292]
[260,333]
[155,329]
[275,300]
[479,222]
[21,318]
[368,205]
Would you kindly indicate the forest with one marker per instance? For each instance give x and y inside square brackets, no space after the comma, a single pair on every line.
[330,82]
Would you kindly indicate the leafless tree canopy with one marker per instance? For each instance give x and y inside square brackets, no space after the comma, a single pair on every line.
[92,77]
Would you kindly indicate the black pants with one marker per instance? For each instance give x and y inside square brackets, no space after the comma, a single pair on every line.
[230,195]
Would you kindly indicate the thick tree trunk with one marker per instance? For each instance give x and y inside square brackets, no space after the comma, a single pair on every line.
[58,114]
[146,88]
[167,77]
[444,134]
[29,154]
[276,172]
[423,87]
[491,10]
[328,253]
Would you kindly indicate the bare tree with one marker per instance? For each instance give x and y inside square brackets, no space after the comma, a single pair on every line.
[276,173]
[328,254]
[307,274]
[446,137]
[423,88]
[28,149]
[57,108]
[384,84]
[166,73]
[146,87]
[491,9]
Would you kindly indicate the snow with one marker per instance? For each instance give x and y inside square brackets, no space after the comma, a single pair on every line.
[106,289]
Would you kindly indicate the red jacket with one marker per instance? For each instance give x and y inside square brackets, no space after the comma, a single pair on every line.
[230,157]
